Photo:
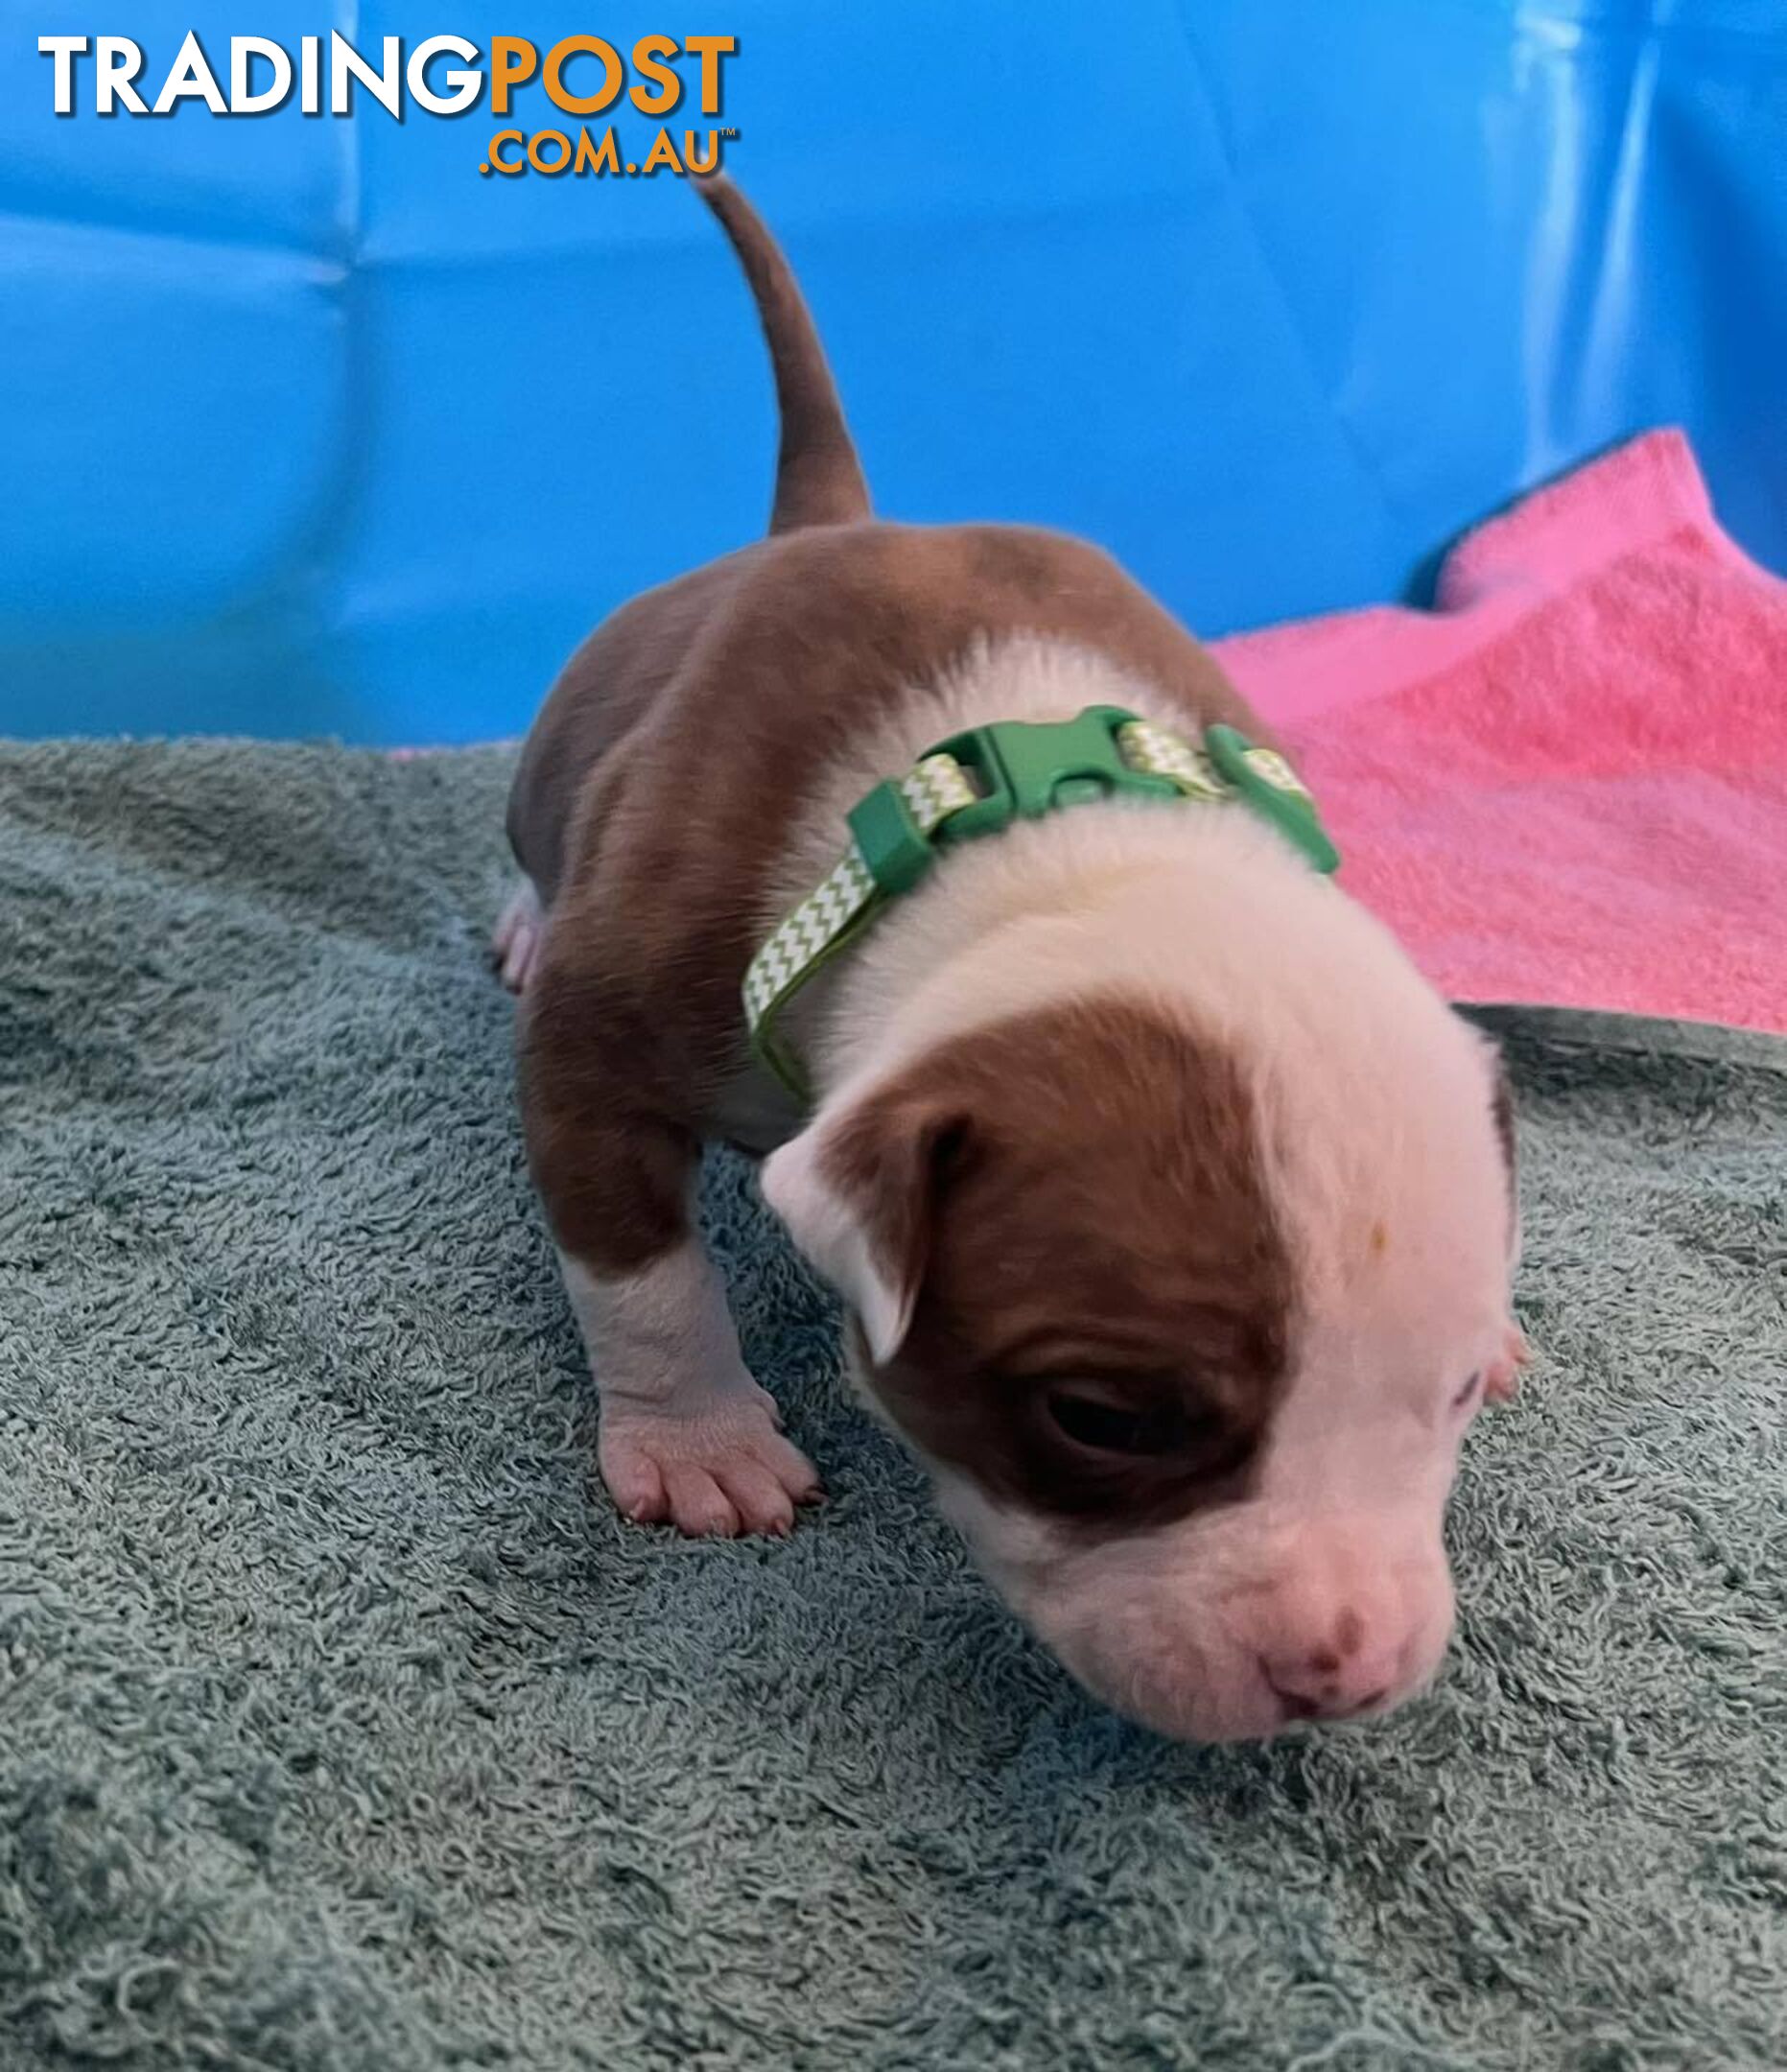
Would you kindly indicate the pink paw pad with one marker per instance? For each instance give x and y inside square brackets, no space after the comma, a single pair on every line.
[716,1474]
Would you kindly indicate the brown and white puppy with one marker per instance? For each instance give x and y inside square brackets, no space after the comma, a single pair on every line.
[1170,1203]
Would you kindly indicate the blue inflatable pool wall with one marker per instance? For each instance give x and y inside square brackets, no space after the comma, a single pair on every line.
[313,428]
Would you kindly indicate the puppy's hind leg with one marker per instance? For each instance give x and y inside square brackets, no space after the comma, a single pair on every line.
[515,943]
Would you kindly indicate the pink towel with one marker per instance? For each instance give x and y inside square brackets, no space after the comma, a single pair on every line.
[1568,784]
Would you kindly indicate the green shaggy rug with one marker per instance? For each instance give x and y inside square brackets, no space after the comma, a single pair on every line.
[342,1725]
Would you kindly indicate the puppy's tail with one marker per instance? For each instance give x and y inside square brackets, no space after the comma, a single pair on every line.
[818,477]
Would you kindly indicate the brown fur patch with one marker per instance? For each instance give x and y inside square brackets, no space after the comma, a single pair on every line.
[661,783]
[1077,1195]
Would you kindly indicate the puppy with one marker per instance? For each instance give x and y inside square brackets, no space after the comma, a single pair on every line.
[1172,1208]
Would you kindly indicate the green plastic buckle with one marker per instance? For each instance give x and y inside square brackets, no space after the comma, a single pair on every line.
[1021,771]
[1269,784]
[1024,769]
[893,847]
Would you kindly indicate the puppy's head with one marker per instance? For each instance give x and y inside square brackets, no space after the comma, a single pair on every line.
[1188,1326]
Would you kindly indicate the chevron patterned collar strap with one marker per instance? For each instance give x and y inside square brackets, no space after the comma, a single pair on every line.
[980,781]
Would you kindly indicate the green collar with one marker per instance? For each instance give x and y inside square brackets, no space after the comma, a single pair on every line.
[981,781]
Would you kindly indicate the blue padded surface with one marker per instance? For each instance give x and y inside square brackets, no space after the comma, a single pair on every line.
[312,429]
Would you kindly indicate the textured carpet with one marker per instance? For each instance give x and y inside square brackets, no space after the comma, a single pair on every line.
[342,1725]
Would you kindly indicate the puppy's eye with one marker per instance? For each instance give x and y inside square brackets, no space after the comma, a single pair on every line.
[1467,1394]
[1107,1425]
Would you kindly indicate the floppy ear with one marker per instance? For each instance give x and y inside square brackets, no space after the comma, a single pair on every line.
[856,1190]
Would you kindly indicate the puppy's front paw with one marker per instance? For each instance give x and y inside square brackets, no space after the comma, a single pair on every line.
[1502,1381]
[716,1474]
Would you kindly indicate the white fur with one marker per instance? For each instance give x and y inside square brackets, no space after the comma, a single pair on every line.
[661,1335]
[1373,1107]
[832,1236]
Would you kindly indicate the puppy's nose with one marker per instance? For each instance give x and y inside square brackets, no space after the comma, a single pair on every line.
[1336,1680]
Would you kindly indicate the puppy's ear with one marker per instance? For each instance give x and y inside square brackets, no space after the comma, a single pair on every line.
[857,1190]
